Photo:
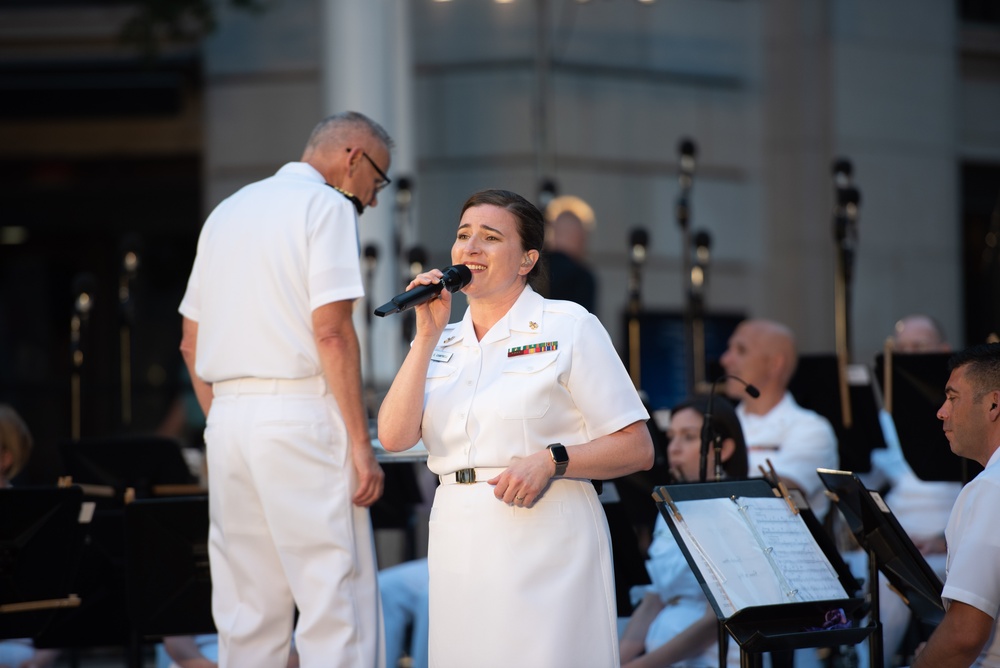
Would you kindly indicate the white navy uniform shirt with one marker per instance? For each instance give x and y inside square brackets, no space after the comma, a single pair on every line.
[255,283]
[547,372]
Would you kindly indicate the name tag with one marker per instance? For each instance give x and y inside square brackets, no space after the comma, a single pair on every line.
[441,356]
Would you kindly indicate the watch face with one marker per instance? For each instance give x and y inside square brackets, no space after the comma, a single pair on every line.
[559,454]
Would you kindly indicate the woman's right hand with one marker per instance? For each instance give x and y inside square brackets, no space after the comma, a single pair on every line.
[433,315]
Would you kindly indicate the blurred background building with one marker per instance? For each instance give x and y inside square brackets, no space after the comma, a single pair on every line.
[117,137]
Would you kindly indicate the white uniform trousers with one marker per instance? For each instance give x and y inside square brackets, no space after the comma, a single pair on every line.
[285,533]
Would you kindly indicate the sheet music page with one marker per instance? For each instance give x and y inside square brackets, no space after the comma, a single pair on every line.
[794,551]
[755,551]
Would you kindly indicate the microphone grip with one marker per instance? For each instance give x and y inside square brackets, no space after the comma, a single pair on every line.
[454,278]
[409,299]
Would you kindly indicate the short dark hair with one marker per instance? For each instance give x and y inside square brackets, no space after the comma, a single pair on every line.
[727,425]
[530,225]
[983,362]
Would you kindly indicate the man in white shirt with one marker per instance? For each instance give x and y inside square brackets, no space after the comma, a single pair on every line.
[922,507]
[797,441]
[274,359]
[967,636]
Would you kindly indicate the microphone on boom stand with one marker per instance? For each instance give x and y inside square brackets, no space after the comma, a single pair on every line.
[696,306]
[708,436]
[416,260]
[84,287]
[638,240]
[845,233]
[685,178]
[130,248]
[370,264]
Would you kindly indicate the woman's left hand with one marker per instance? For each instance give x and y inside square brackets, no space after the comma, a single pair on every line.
[525,480]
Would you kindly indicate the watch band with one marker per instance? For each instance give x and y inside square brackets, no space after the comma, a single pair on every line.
[560,457]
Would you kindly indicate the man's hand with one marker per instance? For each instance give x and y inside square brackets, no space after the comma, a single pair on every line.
[371,478]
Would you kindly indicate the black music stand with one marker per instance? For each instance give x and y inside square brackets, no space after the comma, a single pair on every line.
[141,463]
[40,542]
[167,575]
[889,548]
[769,628]
[816,386]
[917,392]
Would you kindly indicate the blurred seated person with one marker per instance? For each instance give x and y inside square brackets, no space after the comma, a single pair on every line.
[569,221]
[15,449]
[674,625]
[922,507]
[404,589]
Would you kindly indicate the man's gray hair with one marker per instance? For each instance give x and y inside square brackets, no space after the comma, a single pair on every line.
[346,128]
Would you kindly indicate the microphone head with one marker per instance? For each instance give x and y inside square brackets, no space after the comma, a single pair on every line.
[456,277]
[131,249]
[404,192]
[639,237]
[638,240]
[686,163]
[747,387]
[842,167]
[703,239]
[371,252]
[417,254]
[84,289]
[416,257]
[547,191]
[687,148]
[849,195]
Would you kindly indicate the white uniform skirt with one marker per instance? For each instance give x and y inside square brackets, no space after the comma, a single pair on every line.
[514,586]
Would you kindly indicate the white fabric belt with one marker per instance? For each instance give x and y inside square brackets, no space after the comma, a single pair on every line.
[467,476]
[310,385]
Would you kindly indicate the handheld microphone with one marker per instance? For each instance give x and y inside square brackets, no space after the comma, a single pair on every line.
[707,433]
[455,278]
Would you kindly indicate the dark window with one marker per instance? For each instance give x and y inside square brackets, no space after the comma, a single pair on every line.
[979,11]
[981,249]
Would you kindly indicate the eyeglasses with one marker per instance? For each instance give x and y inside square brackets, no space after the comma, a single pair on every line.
[385,179]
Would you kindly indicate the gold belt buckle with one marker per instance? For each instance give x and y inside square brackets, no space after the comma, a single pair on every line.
[465,476]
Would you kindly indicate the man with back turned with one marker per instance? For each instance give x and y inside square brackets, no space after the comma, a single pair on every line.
[274,358]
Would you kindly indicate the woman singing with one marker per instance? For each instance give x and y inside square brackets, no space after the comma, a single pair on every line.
[520,405]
